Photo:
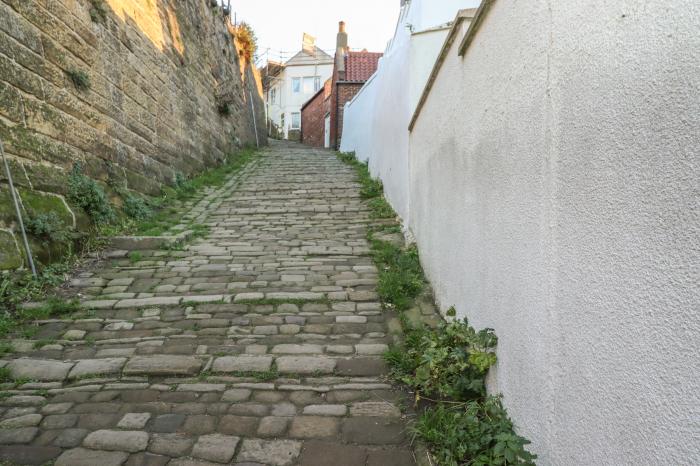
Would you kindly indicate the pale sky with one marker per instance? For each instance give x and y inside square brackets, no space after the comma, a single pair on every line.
[279,24]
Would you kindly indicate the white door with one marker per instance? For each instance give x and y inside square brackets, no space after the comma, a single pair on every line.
[327,133]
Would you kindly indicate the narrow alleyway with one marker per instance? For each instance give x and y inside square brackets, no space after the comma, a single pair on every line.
[259,343]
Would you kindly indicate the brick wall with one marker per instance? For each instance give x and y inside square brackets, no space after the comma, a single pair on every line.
[155,69]
[345,92]
[313,120]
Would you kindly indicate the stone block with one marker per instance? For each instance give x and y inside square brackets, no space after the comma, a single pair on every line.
[85,457]
[242,363]
[305,364]
[39,369]
[92,367]
[216,447]
[272,452]
[117,440]
[163,365]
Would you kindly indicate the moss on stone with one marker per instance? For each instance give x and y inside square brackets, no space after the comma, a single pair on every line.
[8,216]
[10,257]
[36,203]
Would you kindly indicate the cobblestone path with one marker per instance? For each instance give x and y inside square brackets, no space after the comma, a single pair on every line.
[259,344]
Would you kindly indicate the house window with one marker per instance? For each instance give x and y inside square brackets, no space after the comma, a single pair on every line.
[296,85]
[273,95]
[317,83]
[296,120]
[309,85]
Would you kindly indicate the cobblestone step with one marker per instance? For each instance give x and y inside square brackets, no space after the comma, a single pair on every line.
[259,343]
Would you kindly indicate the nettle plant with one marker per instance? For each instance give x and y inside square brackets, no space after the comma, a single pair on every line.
[449,362]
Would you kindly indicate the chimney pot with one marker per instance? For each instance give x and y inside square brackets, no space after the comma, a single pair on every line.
[341,26]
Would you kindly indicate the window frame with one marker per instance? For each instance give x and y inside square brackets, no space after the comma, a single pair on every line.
[291,123]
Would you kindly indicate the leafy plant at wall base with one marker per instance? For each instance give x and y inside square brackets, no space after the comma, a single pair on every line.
[400,275]
[136,207]
[448,362]
[80,79]
[477,433]
[48,227]
[88,195]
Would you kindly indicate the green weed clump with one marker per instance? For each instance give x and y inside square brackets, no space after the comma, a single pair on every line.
[80,79]
[98,11]
[401,275]
[445,366]
[87,194]
[448,362]
[477,433]
[136,207]
[48,228]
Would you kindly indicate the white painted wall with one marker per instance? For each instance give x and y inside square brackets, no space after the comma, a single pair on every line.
[359,136]
[376,122]
[554,197]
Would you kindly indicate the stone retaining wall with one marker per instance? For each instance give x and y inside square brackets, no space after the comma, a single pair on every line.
[158,72]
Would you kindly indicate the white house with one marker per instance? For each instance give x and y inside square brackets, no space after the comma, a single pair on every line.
[289,85]
[376,121]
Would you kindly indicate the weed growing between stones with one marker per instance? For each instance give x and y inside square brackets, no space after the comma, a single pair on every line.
[80,79]
[136,207]
[445,366]
[98,11]
[87,194]
[16,288]
[156,217]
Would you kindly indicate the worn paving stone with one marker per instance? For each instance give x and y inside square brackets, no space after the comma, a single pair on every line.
[28,420]
[373,430]
[30,455]
[324,453]
[243,363]
[38,369]
[313,427]
[305,364]
[266,329]
[174,445]
[162,365]
[216,447]
[165,423]
[134,421]
[85,457]
[272,452]
[124,440]
[390,457]
[16,436]
[92,367]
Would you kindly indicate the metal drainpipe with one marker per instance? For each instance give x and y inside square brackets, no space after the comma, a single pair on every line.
[337,113]
[19,212]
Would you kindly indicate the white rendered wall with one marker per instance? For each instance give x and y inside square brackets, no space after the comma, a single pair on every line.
[554,197]
[397,84]
[359,136]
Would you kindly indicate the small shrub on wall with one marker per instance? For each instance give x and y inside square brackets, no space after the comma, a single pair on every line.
[85,193]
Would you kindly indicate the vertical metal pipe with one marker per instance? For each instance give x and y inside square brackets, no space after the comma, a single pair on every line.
[255,120]
[17,209]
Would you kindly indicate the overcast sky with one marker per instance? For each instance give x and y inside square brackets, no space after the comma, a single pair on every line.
[279,24]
